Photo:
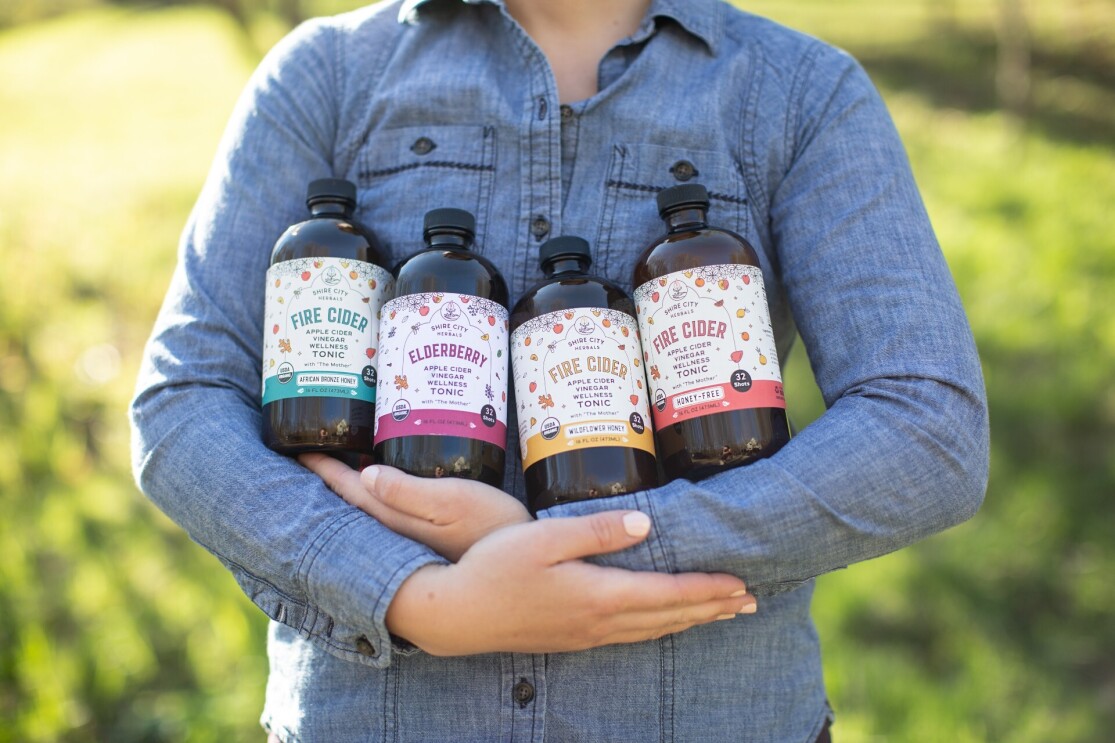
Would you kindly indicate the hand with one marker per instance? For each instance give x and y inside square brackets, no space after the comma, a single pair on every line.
[524,589]
[449,514]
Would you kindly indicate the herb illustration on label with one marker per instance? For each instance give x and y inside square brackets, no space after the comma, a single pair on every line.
[320,321]
[579,383]
[708,343]
[443,368]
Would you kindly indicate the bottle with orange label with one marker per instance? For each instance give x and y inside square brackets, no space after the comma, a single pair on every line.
[716,387]
[580,389]
[441,407]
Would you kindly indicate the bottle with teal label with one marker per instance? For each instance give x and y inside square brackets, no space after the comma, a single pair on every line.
[325,290]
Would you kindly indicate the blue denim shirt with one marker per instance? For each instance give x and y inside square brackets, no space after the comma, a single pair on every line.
[450,103]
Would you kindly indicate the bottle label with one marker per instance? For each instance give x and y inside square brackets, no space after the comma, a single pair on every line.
[579,383]
[320,321]
[443,370]
[708,343]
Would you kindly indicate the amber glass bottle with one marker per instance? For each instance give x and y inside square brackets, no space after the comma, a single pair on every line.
[716,386]
[584,427]
[325,288]
[442,406]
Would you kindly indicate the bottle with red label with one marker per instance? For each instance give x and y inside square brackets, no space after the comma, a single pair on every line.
[580,391]
[441,408]
[708,344]
[325,287]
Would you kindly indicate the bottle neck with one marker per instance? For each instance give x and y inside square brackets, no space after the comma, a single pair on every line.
[331,209]
[686,218]
[449,241]
[565,264]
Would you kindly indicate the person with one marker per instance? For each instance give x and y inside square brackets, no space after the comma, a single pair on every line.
[437,610]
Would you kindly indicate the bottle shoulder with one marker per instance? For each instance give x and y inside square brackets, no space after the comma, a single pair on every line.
[461,271]
[329,237]
[681,251]
[568,292]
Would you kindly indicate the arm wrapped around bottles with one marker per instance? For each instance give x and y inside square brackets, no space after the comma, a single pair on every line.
[862,481]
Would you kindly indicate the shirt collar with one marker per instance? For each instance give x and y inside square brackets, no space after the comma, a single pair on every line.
[701,18]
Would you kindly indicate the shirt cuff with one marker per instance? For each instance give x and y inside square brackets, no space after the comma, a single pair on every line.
[351,566]
[648,555]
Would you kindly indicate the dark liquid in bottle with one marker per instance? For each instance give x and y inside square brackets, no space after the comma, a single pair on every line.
[446,272]
[329,251]
[605,344]
[701,446]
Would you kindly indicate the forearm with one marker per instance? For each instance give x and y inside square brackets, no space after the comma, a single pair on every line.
[902,451]
[862,481]
[303,555]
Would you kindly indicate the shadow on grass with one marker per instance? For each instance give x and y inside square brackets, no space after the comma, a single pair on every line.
[1072,93]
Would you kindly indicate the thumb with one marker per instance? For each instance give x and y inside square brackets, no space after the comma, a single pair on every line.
[599,533]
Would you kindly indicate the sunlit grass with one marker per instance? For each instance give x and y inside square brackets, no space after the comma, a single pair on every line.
[999,629]
[112,119]
[115,627]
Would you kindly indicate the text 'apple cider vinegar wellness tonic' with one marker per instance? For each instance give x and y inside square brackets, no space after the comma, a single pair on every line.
[325,289]
[717,398]
[584,428]
[442,406]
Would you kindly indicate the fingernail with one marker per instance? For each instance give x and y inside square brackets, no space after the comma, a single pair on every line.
[369,476]
[737,594]
[636,524]
[749,607]
[722,617]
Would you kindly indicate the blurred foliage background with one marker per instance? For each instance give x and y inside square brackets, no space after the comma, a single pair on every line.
[114,627]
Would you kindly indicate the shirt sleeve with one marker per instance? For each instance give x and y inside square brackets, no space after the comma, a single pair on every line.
[303,555]
[902,449]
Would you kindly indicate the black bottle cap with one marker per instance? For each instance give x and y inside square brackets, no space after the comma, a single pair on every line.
[685,195]
[565,246]
[331,189]
[448,220]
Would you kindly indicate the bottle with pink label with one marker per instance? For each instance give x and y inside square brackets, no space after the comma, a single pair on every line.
[708,344]
[580,391]
[441,404]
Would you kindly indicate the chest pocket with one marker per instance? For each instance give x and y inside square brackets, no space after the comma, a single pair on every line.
[637,172]
[405,172]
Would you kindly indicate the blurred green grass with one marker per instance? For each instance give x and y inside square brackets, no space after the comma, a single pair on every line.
[115,627]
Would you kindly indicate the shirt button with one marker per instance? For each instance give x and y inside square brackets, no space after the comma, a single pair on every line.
[540,227]
[566,114]
[683,170]
[523,692]
[422,146]
[365,647]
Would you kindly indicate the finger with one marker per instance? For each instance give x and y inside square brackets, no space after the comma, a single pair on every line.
[653,633]
[664,590]
[632,591]
[435,500]
[640,626]
[563,539]
[341,479]
[688,616]
[397,521]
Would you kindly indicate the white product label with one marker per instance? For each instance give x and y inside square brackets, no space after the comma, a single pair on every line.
[443,368]
[579,383]
[708,343]
[320,321]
